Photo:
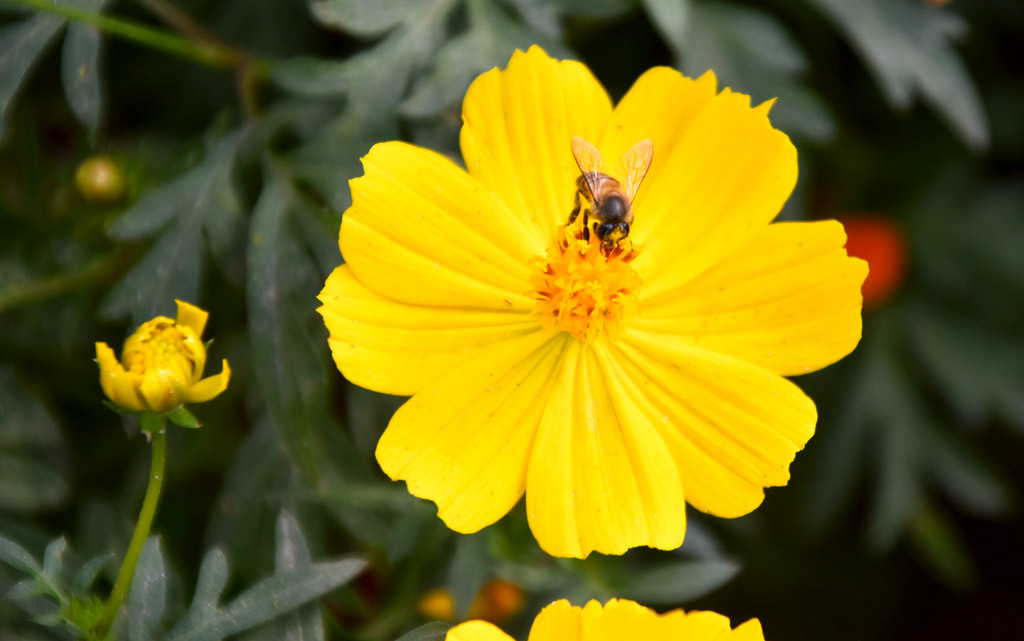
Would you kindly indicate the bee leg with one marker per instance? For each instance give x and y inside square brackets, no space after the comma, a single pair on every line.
[586,226]
[575,208]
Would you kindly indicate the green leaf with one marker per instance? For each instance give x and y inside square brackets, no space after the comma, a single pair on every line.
[471,565]
[841,443]
[53,559]
[147,598]
[292,554]
[20,47]
[87,574]
[671,18]
[31,450]
[408,531]
[18,557]
[29,485]
[369,114]
[183,418]
[80,68]
[980,370]
[546,16]
[272,598]
[489,41]
[202,199]
[748,51]
[286,334]
[363,17]
[260,481]
[942,550]
[371,93]
[900,420]
[908,47]
[25,590]
[281,289]
[433,631]
[677,582]
[213,576]
[966,478]
[40,601]
[24,420]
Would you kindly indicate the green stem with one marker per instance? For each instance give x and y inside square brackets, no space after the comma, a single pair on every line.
[207,53]
[100,269]
[127,571]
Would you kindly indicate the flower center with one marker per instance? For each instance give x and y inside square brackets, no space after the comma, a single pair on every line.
[582,289]
[158,344]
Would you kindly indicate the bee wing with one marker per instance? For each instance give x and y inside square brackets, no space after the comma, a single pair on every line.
[591,165]
[635,163]
[588,158]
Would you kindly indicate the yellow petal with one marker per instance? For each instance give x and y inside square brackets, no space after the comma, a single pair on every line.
[397,348]
[518,126]
[476,631]
[117,384]
[163,389]
[789,301]
[621,619]
[209,387]
[600,477]
[703,625]
[733,428]
[421,230]
[727,177]
[192,317]
[558,621]
[463,440]
[659,107]
[748,631]
[194,351]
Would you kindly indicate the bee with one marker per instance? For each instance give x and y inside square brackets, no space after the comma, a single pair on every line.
[609,211]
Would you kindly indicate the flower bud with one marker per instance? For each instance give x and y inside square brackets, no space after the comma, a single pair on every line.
[161,367]
[880,242]
[100,180]
[497,600]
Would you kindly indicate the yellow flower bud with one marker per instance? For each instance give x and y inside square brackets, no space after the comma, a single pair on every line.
[100,180]
[497,600]
[161,367]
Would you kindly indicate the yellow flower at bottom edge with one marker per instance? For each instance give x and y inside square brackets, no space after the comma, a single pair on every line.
[611,385]
[162,365]
[617,620]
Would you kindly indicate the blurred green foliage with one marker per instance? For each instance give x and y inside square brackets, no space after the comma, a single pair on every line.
[237,125]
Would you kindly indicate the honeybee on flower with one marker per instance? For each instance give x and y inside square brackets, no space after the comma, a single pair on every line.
[610,205]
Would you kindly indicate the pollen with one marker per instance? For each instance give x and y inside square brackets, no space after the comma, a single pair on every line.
[583,289]
[159,344]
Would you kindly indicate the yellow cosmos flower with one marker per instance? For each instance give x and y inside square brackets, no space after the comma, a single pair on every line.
[611,385]
[161,366]
[616,621]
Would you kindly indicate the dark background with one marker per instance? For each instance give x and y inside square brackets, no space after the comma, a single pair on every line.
[902,519]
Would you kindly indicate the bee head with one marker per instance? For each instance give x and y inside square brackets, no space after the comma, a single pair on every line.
[612,233]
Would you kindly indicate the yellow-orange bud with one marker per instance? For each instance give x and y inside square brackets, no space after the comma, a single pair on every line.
[101,180]
[497,600]
[161,367]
